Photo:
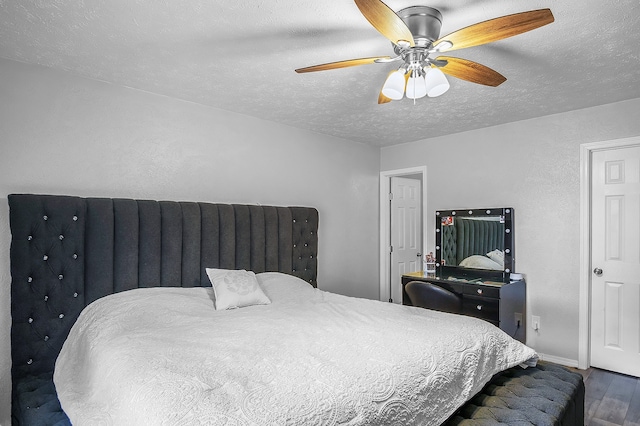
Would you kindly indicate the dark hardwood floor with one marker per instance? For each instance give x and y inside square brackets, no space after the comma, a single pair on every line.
[611,398]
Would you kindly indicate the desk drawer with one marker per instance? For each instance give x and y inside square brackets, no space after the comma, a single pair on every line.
[482,291]
[481,307]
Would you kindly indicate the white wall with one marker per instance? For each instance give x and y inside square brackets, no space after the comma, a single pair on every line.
[62,134]
[533,166]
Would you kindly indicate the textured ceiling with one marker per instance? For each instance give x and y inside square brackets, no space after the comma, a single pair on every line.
[240,55]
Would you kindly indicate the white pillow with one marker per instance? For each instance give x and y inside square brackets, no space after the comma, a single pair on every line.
[281,287]
[235,289]
[497,256]
[480,262]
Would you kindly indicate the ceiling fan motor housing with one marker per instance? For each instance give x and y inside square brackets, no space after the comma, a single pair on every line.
[424,23]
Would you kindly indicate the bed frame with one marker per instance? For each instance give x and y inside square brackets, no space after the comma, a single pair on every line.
[69,251]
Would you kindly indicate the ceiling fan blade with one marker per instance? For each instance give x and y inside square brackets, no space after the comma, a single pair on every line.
[341,64]
[471,71]
[385,21]
[382,99]
[497,29]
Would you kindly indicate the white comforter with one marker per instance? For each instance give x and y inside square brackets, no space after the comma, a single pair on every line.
[165,356]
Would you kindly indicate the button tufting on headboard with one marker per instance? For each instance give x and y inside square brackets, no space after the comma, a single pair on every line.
[43,279]
[305,243]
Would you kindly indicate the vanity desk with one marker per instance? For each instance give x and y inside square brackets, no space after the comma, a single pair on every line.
[475,260]
[502,304]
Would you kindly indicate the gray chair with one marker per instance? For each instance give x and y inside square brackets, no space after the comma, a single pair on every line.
[430,296]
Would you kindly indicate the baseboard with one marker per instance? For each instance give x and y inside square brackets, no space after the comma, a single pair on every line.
[559,360]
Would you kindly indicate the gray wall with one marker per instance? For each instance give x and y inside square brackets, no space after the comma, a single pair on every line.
[533,166]
[67,135]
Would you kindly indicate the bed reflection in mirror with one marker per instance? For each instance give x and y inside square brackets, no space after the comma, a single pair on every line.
[476,239]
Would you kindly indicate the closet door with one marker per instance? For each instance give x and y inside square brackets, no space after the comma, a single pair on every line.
[406,231]
[615,260]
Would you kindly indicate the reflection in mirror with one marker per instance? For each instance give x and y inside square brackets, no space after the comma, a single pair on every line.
[475,240]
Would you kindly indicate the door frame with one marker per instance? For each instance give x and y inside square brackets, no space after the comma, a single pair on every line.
[385,221]
[584,312]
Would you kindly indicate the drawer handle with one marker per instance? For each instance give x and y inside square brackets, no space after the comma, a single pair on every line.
[479,307]
[479,291]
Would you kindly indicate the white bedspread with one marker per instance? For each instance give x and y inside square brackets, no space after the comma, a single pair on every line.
[165,356]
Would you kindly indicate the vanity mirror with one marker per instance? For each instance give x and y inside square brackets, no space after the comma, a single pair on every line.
[475,243]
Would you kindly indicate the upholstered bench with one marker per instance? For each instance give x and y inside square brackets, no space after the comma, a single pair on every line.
[547,394]
[544,395]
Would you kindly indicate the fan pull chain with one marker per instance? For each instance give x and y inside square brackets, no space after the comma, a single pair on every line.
[414,86]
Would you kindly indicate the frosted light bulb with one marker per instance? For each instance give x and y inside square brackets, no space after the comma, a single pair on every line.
[437,83]
[416,87]
[393,88]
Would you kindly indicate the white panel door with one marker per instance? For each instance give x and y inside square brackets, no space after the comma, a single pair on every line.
[615,260]
[406,231]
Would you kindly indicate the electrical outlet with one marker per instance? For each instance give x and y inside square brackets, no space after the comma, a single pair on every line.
[535,322]
[517,317]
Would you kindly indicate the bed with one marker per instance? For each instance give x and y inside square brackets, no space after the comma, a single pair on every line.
[145,268]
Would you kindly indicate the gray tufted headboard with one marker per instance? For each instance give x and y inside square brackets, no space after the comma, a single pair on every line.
[69,251]
[469,237]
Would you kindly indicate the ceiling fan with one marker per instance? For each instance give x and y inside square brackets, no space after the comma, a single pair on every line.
[415,34]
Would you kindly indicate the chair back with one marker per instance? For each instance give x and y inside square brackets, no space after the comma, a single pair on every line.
[430,296]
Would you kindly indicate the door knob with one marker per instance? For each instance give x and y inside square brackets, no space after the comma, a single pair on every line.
[419,254]
[597,271]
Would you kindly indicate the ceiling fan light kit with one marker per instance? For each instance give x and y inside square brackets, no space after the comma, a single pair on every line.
[415,35]
[429,82]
